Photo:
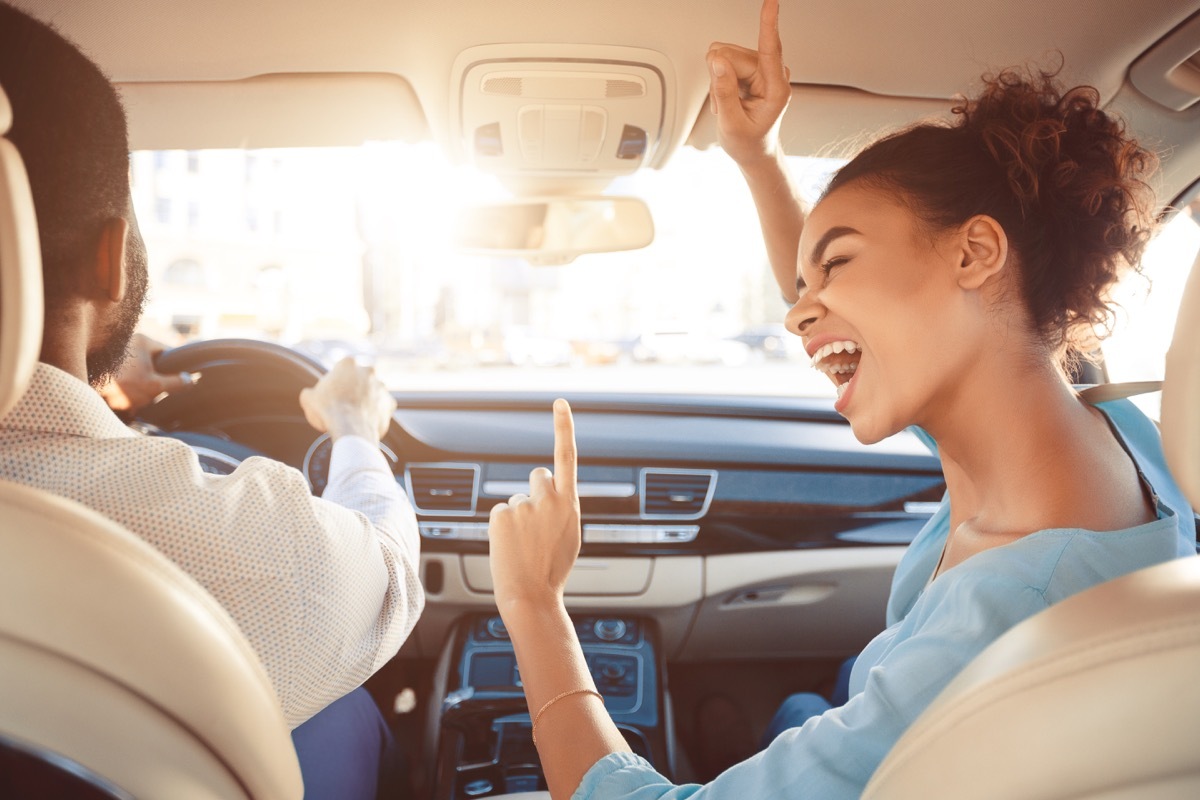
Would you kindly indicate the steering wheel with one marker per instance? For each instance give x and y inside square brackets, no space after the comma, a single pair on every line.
[220,354]
[244,374]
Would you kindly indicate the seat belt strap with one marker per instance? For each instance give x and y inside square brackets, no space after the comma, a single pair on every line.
[1102,393]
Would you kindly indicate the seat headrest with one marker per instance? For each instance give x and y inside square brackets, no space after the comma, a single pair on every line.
[20,272]
[5,113]
[1181,393]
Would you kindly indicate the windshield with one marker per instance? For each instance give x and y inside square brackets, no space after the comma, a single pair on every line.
[347,251]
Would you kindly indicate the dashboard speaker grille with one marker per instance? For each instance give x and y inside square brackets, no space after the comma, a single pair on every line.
[676,494]
[443,489]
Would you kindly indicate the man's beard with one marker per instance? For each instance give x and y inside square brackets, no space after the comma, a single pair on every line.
[104,360]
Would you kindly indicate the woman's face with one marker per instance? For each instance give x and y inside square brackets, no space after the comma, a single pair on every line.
[882,312]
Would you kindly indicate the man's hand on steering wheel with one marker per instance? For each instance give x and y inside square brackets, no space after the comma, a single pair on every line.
[349,401]
[137,383]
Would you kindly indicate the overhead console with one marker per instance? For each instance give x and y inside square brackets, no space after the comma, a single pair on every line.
[542,109]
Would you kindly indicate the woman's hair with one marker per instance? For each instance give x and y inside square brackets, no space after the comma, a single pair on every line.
[1061,176]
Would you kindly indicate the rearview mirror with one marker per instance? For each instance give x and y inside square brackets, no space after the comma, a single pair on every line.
[555,230]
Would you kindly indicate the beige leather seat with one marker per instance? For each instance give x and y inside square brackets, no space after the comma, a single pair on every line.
[114,662]
[1096,697]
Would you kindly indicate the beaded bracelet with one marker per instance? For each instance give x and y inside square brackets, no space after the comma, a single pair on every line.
[552,701]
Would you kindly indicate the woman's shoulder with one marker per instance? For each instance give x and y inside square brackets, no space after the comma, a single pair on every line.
[1055,563]
[1141,438]
[1137,429]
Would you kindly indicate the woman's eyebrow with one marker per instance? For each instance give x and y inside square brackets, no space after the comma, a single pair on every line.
[833,233]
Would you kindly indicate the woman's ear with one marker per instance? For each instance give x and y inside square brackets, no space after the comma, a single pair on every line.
[109,267]
[984,251]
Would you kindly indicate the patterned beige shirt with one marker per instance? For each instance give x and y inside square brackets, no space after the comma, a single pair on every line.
[326,590]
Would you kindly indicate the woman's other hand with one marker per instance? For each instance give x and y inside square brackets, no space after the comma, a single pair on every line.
[534,539]
[749,91]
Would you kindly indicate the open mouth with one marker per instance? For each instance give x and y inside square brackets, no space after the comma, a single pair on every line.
[839,360]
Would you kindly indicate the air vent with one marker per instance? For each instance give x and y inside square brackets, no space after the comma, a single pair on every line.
[447,489]
[676,494]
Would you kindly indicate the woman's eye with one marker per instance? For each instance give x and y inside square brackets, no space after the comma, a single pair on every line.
[836,261]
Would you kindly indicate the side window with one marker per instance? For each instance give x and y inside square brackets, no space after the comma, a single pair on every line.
[1149,304]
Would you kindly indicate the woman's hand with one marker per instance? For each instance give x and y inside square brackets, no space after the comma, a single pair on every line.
[749,91]
[534,540]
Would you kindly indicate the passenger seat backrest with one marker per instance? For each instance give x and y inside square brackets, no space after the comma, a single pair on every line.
[118,668]
[20,272]
[1181,393]
[1095,697]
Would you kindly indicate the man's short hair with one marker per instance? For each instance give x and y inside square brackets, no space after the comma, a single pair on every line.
[69,127]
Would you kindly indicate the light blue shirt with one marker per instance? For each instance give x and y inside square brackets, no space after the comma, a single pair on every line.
[934,630]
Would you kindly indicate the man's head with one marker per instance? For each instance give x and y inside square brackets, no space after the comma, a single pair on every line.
[69,127]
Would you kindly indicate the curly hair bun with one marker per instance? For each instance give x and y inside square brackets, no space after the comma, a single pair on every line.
[1080,183]
[1063,178]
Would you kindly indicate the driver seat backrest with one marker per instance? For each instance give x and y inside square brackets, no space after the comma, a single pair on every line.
[122,676]
[1098,695]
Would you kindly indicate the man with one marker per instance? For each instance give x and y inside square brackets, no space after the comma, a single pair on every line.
[325,591]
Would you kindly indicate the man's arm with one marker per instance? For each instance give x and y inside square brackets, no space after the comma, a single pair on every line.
[361,480]
[750,90]
[355,409]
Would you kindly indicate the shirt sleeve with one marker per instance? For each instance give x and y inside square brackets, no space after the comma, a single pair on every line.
[326,589]
[361,480]
[834,755]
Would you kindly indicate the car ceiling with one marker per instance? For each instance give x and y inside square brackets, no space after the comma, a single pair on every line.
[360,69]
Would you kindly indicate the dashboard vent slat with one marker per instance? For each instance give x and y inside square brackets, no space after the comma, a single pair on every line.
[449,489]
[676,494]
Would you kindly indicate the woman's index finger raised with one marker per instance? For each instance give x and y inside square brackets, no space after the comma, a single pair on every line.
[564,449]
[769,41]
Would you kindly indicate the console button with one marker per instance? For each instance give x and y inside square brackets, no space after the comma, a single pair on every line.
[478,788]
[609,630]
[495,627]
[612,671]
[616,676]
[519,784]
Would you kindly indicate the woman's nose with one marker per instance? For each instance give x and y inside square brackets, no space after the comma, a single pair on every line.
[803,313]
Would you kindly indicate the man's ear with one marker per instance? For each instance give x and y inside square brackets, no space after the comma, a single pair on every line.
[983,251]
[109,267]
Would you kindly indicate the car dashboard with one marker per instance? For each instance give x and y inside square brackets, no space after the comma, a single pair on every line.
[743,525]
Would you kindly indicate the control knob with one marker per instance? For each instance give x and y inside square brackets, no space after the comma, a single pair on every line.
[612,671]
[609,630]
[495,626]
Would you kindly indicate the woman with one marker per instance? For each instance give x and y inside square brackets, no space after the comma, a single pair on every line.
[941,282]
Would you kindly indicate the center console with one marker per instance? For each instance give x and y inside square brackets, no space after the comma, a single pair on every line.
[484,741]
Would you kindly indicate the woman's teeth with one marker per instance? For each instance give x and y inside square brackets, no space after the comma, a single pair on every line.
[838,369]
[833,348]
[839,360]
